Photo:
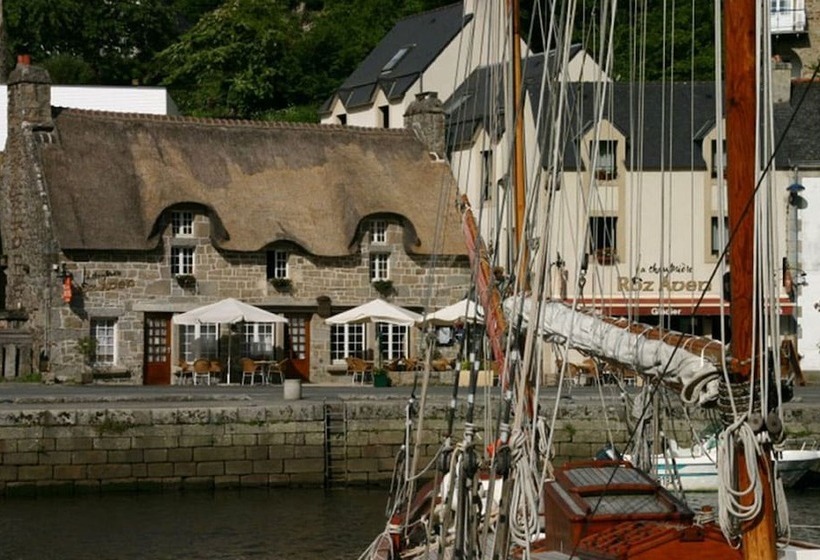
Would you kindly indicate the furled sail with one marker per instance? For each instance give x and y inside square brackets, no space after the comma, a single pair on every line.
[696,375]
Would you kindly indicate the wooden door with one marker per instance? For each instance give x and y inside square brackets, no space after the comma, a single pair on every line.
[157,369]
[298,336]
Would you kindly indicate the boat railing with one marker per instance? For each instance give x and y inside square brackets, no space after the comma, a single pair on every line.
[802,444]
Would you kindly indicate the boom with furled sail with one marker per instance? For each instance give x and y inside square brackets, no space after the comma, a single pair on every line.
[511,502]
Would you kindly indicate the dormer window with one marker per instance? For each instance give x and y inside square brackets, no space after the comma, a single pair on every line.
[378,232]
[182,223]
[605,167]
[394,61]
[277,264]
[715,163]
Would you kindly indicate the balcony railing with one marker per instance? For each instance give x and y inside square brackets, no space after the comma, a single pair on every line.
[790,19]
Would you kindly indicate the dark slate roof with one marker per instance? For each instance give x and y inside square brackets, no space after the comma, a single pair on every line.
[469,107]
[424,35]
[693,108]
[800,146]
[674,116]
[112,177]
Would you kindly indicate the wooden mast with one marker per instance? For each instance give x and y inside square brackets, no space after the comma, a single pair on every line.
[741,122]
[518,144]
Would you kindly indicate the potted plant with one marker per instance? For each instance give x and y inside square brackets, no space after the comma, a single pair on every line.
[87,347]
[186,281]
[281,284]
[606,256]
[384,287]
[380,378]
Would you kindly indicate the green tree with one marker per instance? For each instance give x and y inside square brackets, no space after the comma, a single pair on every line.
[95,41]
[115,39]
[237,61]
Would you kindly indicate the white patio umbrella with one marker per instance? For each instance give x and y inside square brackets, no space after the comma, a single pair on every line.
[466,311]
[376,311]
[227,311]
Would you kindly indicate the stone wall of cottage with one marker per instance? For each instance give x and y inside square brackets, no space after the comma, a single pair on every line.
[25,222]
[123,286]
[167,448]
[804,47]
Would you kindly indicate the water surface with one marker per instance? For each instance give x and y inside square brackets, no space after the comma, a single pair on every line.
[292,524]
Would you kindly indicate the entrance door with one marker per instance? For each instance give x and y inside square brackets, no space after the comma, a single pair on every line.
[157,370]
[299,340]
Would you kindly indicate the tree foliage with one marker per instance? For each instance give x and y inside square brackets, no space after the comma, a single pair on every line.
[237,61]
[115,40]
[281,59]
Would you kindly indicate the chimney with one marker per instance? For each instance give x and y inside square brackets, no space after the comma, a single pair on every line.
[781,80]
[29,91]
[425,117]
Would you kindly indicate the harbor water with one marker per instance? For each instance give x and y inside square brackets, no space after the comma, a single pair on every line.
[274,524]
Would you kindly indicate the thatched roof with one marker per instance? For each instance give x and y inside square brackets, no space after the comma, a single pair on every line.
[111,176]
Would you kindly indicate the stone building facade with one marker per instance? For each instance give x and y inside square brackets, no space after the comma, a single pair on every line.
[113,223]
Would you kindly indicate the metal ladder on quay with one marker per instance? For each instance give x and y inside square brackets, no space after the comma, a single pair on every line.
[336,471]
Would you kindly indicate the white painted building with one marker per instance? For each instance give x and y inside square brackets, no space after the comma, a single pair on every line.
[808,289]
[118,99]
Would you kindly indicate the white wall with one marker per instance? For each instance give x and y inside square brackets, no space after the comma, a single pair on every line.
[122,99]
[808,298]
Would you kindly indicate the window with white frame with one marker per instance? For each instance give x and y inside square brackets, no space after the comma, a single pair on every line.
[182,260]
[104,332]
[346,340]
[198,341]
[602,238]
[277,264]
[182,223]
[257,340]
[379,267]
[717,246]
[715,163]
[392,340]
[486,175]
[605,165]
[378,232]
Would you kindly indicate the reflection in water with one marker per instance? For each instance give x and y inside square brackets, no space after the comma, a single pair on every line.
[249,524]
[260,524]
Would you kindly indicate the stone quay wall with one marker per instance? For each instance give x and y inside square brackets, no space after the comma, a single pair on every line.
[166,448]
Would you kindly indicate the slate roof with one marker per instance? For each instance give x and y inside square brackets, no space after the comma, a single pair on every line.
[470,107]
[694,106]
[676,118]
[424,36]
[111,177]
[674,115]
[800,146]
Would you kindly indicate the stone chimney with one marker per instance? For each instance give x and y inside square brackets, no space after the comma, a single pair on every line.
[781,80]
[425,117]
[29,94]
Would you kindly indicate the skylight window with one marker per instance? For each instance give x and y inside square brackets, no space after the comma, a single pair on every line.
[395,59]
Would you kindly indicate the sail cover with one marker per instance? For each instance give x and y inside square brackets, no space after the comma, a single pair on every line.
[586,333]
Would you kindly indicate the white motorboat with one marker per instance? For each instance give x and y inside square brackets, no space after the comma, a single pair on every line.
[694,469]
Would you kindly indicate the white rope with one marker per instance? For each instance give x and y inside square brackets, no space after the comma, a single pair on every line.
[731,510]
[524,501]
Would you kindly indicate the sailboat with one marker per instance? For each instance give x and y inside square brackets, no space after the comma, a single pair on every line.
[510,501]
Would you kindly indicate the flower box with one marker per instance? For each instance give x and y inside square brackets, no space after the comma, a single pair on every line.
[186,281]
[281,284]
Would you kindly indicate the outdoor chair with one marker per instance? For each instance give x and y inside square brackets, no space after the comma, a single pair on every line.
[277,369]
[184,372]
[250,370]
[215,370]
[358,368]
[202,371]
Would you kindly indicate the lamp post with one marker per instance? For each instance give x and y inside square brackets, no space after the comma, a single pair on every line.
[793,248]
